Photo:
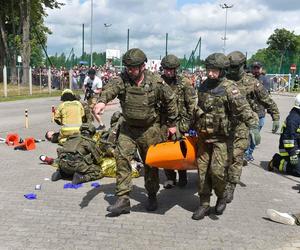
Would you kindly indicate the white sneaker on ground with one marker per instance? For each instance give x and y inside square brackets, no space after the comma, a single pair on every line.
[283,218]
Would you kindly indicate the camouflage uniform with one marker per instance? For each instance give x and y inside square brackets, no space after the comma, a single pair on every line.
[218,99]
[186,97]
[255,93]
[88,116]
[80,155]
[140,127]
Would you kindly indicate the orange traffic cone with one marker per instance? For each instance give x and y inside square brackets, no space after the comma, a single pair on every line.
[178,155]
[28,144]
[12,139]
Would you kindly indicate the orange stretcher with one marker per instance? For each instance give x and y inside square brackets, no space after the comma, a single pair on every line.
[176,155]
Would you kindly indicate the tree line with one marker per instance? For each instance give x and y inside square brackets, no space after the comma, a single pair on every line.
[283,50]
[22,32]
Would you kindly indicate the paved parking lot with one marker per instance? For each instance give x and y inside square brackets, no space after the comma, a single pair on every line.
[76,219]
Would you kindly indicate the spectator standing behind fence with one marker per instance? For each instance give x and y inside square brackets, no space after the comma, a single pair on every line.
[92,88]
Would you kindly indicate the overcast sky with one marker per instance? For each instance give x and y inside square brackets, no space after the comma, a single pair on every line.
[250,23]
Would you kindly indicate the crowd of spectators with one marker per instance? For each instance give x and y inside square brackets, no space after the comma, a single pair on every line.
[60,76]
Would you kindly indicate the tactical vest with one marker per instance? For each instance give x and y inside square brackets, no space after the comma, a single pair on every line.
[216,109]
[138,104]
[73,150]
[179,91]
[179,95]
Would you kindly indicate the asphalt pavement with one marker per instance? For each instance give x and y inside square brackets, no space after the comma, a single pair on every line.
[77,219]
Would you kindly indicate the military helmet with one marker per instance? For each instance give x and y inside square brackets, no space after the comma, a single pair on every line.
[115,117]
[217,60]
[88,128]
[236,58]
[170,62]
[134,57]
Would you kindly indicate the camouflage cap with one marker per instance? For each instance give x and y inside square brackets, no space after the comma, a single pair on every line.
[88,128]
[170,62]
[236,58]
[134,57]
[217,60]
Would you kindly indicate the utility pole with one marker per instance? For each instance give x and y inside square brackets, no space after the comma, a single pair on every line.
[91,33]
[82,41]
[166,44]
[127,39]
[226,7]
[200,41]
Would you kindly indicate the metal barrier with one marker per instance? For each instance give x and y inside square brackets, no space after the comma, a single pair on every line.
[280,82]
[29,81]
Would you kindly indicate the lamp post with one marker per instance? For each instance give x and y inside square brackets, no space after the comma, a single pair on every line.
[91,33]
[226,7]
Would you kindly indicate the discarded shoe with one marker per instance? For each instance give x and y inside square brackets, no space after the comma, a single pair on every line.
[283,218]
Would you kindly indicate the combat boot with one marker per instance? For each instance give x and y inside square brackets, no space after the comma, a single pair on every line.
[122,206]
[230,187]
[201,212]
[152,202]
[56,176]
[182,182]
[220,205]
[77,179]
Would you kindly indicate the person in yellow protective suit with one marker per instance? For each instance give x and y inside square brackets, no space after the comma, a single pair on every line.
[69,115]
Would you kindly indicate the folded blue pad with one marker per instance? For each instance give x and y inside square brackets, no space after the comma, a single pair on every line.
[95,184]
[73,186]
[30,196]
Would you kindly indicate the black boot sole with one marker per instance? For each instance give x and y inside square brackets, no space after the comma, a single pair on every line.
[119,211]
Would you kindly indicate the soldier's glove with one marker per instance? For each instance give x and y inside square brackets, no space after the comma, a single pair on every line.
[255,136]
[294,159]
[275,126]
